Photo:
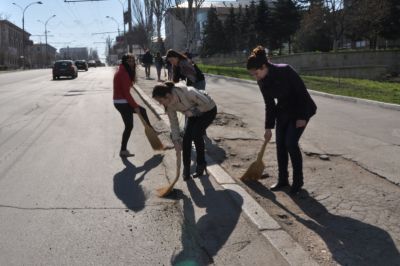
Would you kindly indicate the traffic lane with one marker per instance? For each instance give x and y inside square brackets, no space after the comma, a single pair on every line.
[67,198]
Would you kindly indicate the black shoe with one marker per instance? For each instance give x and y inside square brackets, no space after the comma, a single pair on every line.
[279,186]
[200,170]
[186,175]
[296,188]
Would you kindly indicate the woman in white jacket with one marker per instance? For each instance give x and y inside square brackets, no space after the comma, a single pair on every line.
[200,111]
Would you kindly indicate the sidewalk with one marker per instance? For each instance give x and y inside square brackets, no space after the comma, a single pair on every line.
[344,216]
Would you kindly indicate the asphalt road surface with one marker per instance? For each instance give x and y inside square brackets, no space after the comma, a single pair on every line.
[66,198]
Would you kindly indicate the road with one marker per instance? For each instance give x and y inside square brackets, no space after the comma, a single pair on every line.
[366,134]
[66,198]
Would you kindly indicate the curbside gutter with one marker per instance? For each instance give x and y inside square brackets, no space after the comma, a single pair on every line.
[290,250]
[324,94]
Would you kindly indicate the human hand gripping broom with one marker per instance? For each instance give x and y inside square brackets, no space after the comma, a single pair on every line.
[255,170]
[164,191]
[151,135]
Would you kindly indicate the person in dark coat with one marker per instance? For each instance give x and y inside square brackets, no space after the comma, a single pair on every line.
[147,61]
[185,69]
[289,107]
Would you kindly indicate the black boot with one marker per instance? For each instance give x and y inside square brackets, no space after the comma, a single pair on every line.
[186,174]
[296,187]
[280,185]
[200,170]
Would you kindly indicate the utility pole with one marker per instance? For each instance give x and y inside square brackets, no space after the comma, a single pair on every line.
[130,26]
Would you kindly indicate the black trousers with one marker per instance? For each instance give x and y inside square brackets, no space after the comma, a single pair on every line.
[195,129]
[126,112]
[287,144]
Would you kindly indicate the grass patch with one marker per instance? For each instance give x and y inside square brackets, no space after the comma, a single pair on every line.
[388,92]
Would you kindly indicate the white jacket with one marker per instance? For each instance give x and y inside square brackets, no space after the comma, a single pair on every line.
[189,99]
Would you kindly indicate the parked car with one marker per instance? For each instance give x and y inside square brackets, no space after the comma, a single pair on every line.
[82,64]
[92,63]
[66,68]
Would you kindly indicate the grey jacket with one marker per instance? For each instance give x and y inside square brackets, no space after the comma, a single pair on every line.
[189,99]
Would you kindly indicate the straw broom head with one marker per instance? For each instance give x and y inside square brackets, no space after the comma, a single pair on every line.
[151,135]
[255,170]
[164,191]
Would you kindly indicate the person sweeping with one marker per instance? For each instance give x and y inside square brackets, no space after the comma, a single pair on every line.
[124,79]
[183,68]
[288,105]
[199,109]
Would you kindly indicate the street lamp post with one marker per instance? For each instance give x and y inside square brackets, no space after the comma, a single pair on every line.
[45,33]
[115,22]
[23,28]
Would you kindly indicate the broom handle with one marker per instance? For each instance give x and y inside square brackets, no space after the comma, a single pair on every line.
[261,153]
[142,119]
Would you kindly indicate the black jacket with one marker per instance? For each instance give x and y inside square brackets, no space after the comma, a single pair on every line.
[292,98]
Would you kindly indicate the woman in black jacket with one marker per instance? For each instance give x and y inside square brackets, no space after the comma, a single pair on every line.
[290,106]
[184,68]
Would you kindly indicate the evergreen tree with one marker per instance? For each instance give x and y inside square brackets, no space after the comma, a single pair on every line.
[231,30]
[391,23]
[250,14]
[285,21]
[214,38]
[243,27]
[262,24]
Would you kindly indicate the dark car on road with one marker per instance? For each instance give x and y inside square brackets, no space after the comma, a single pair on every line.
[64,68]
[92,63]
[81,65]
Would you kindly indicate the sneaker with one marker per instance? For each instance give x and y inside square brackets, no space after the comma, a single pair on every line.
[126,153]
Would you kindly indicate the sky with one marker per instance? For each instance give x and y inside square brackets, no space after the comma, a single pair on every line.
[75,24]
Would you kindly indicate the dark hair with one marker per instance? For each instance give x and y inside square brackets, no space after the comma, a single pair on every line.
[258,58]
[161,90]
[173,53]
[124,62]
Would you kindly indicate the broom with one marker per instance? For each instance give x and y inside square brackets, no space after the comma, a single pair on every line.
[164,191]
[255,170]
[151,135]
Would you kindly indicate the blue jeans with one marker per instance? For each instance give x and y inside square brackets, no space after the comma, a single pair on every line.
[287,144]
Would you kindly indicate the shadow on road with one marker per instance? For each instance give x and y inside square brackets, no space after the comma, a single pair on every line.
[350,241]
[127,187]
[203,239]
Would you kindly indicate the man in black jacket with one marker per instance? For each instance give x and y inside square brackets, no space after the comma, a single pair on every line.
[147,61]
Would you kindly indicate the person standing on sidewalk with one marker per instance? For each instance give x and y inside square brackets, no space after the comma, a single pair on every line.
[185,69]
[147,61]
[199,109]
[159,63]
[290,106]
[124,79]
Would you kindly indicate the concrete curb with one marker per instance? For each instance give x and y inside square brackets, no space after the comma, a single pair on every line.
[290,250]
[327,95]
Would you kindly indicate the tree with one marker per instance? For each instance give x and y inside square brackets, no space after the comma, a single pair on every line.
[391,23]
[313,34]
[242,27]
[262,23]
[160,8]
[366,19]
[140,36]
[250,14]
[143,11]
[231,30]
[186,13]
[214,38]
[286,20]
